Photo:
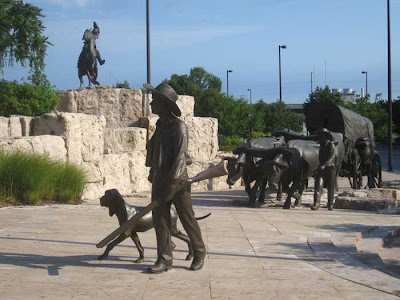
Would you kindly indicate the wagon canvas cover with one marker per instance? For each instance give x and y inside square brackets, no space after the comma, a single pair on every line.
[339,119]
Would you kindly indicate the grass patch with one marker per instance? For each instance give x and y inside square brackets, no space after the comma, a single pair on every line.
[32,178]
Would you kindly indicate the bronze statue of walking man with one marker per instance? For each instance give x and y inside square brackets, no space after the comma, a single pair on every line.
[167,155]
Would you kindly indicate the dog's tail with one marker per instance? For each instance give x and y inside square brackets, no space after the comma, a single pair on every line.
[203,217]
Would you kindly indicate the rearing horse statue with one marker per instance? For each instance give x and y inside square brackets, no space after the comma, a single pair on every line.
[87,62]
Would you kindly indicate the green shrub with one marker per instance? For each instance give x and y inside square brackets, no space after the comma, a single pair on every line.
[231,142]
[26,99]
[123,85]
[31,178]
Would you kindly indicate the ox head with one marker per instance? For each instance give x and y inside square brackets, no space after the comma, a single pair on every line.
[365,149]
[235,168]
[273,168]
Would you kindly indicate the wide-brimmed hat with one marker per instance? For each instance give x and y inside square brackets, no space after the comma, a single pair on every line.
[168,94]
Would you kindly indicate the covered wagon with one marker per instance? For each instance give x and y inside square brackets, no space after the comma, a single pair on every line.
[361,158]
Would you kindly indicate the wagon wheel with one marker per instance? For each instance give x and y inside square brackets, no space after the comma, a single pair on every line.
[356,179]
[376,171]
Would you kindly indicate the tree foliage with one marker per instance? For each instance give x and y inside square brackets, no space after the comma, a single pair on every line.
[123,85]
[26,99]
[396,116]
[321,95]
[277,117]
[21,36]
[236,118]
[198,81]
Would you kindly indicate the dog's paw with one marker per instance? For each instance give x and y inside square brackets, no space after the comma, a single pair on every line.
[101,257]
[139,260]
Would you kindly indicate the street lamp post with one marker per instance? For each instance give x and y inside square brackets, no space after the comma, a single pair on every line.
[146,108]
[250,95]
[280,77]
[366,83]
[227,82]
[148,40]
[311,83]
[390,150]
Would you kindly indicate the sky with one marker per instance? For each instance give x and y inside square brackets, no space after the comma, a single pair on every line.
[333,39]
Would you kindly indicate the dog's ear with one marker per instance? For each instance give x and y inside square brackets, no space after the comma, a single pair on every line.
[111,210]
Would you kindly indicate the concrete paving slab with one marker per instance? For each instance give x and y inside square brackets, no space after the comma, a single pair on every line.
[49,252]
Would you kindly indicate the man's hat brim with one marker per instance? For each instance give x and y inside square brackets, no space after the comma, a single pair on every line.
[171,103]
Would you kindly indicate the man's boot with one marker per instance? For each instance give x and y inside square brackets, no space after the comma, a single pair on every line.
[197,263]
[160,266]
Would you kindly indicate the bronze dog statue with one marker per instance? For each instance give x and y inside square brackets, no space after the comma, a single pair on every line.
[124,211]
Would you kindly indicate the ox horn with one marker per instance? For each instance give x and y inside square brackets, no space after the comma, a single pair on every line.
[215,171]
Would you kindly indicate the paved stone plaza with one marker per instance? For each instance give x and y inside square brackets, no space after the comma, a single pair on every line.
[49,252]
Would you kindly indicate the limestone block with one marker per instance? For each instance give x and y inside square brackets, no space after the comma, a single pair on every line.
[384,193]
[93,171]
[15,128]
[195,168]
[26,125]
[93,191]
[138,172]
[149,123]
[130,102]
[83,134]
[126,172]
[203,135]
[214,184]
[123,171]
[186,105]
[121,107]
[54,146]
[4,132]
[203,138]
[125,139]
[115,172]
[49,124]
[68,102]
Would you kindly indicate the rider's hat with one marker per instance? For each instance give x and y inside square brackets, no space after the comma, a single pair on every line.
[168,94]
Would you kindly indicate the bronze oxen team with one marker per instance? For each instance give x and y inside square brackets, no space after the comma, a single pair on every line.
[341,144]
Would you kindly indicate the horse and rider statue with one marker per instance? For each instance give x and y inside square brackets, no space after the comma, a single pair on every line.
[87,62]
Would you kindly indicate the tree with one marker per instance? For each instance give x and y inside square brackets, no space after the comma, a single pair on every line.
[21,37]
[278,117]
[198,81]
[26,99]
[323,95]
[396,115]
[123,85]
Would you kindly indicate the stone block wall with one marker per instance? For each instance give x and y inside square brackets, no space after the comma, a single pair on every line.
[54,146]
[83,134]
[15,126]
[103,130]
[120,107]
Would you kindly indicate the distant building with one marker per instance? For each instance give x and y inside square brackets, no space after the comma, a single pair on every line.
[348,94]
[297,108]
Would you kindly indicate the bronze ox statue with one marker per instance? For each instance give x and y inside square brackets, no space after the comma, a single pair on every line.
[246,166]
[290,165]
